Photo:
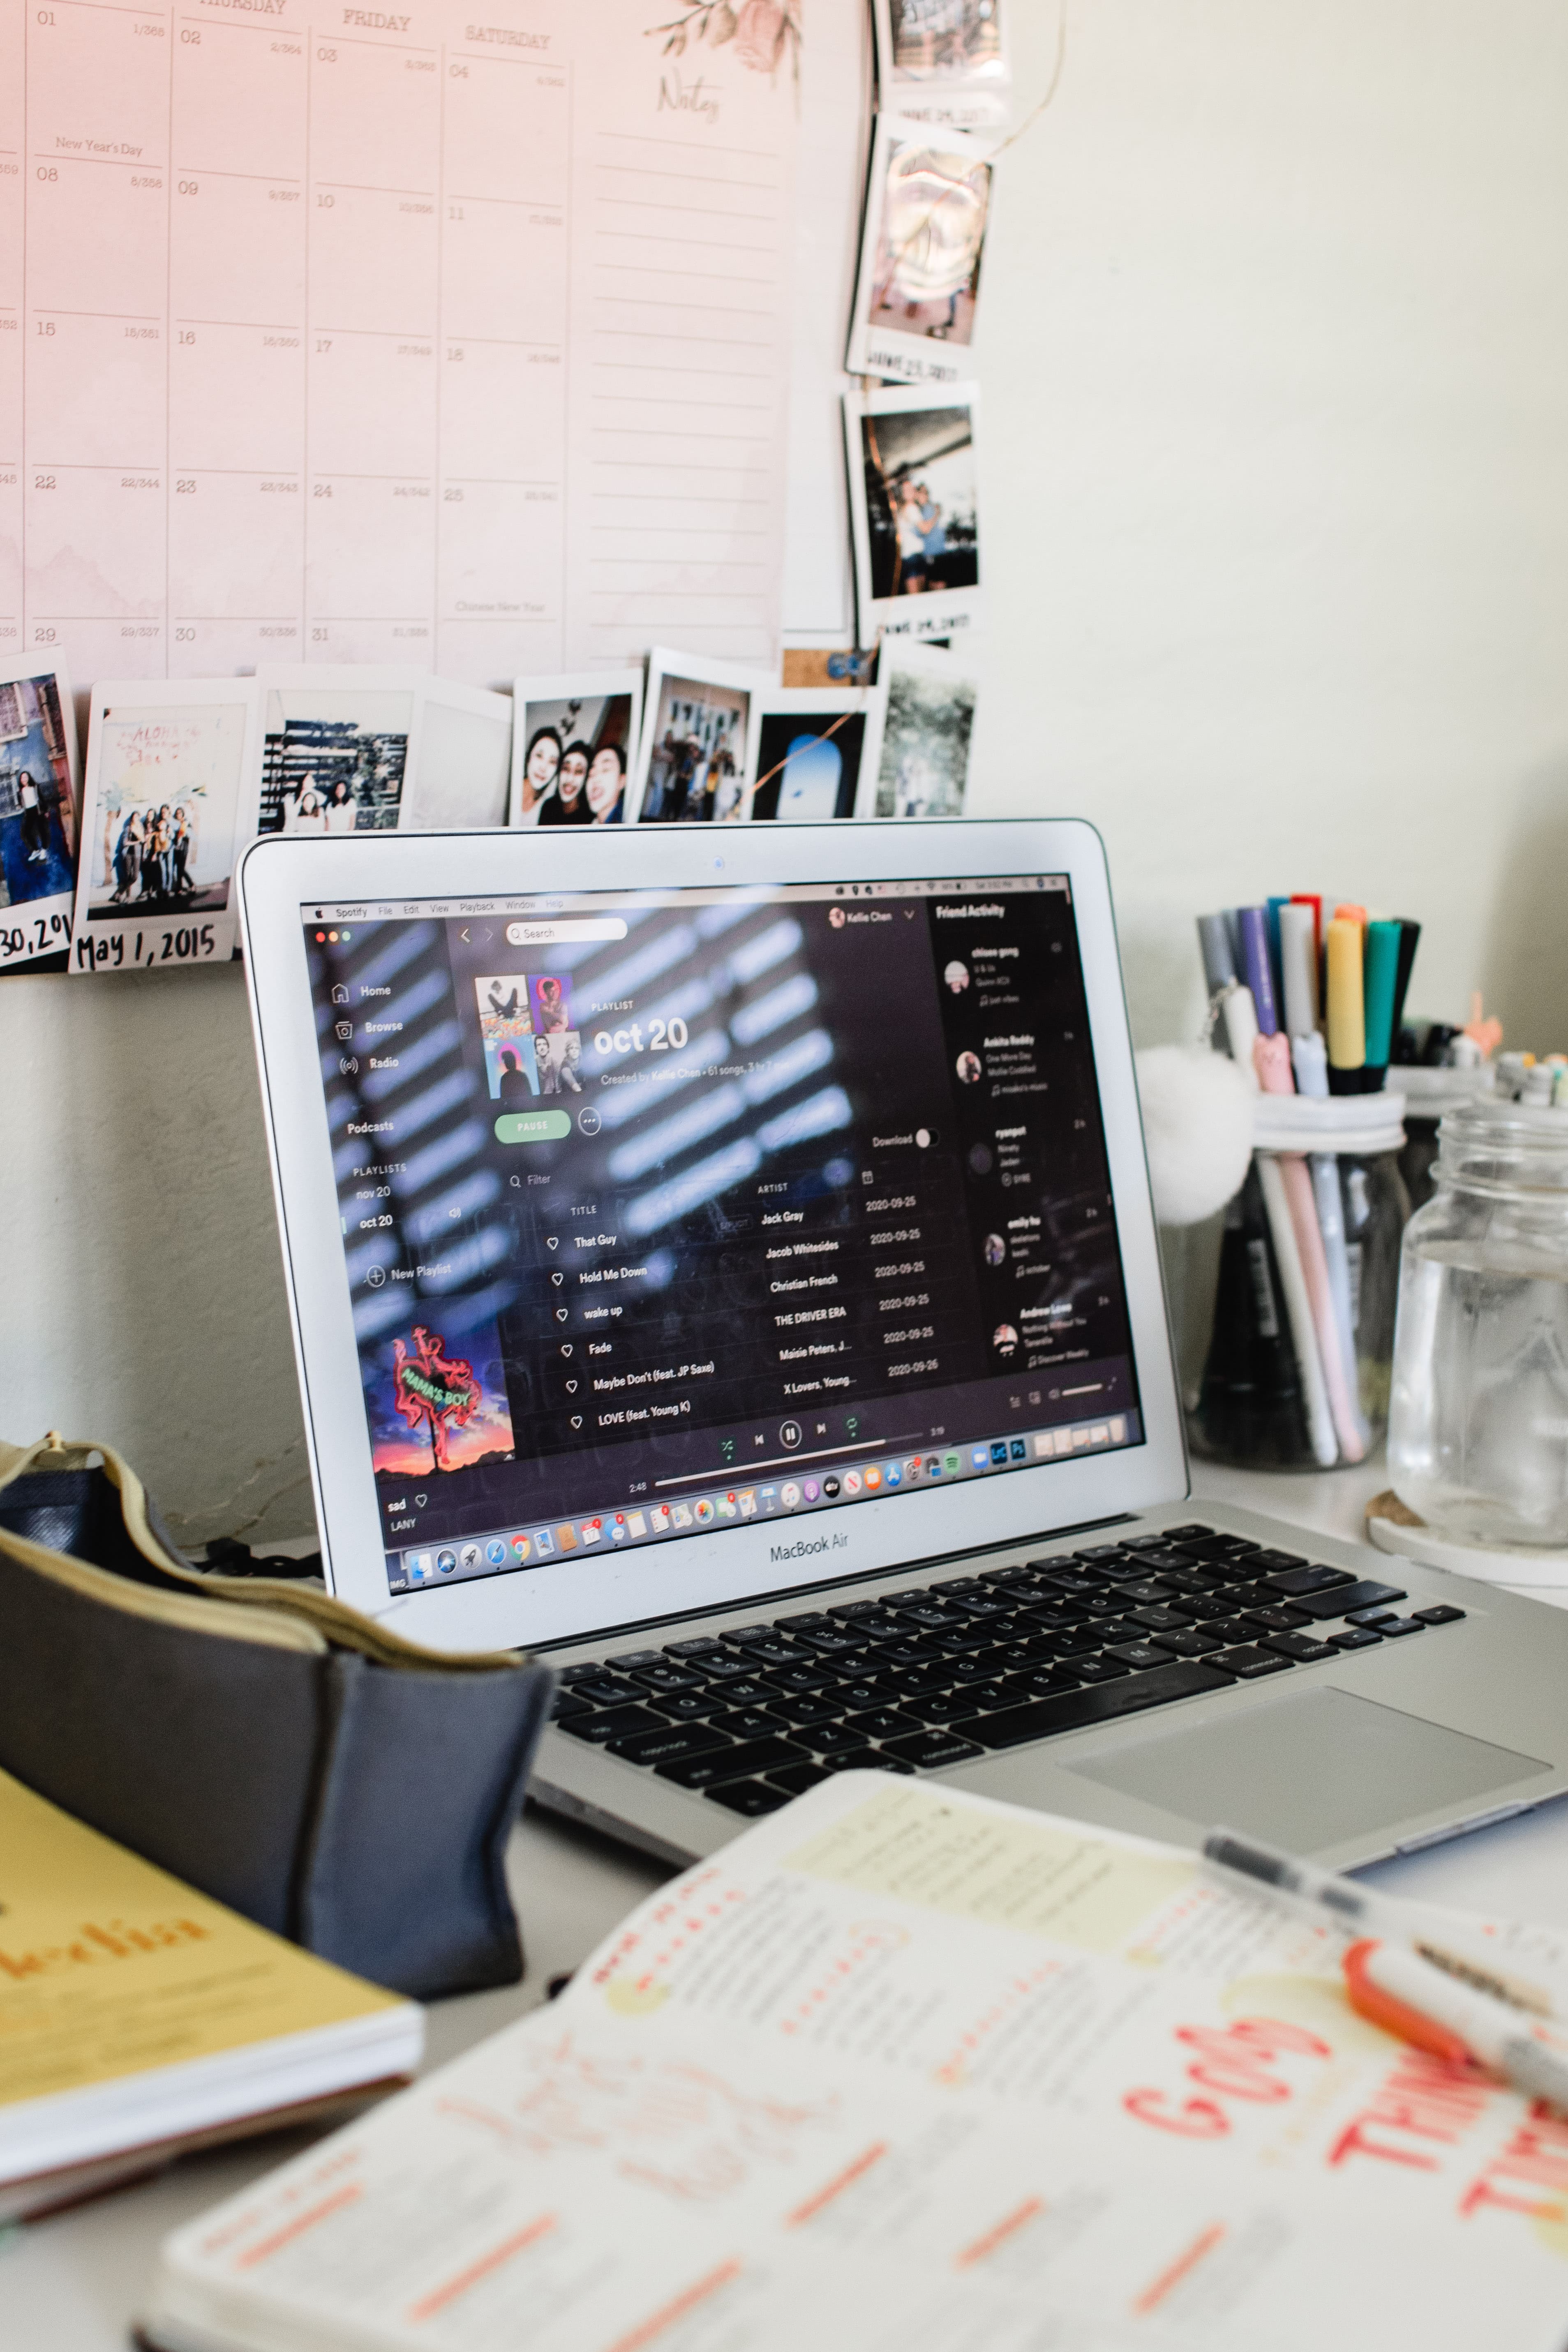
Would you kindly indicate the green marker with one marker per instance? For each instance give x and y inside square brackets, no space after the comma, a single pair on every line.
[1383,942]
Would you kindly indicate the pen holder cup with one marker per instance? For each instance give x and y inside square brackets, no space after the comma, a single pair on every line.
[1290,1308]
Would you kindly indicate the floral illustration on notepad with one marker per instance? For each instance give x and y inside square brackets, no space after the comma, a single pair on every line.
[764,32]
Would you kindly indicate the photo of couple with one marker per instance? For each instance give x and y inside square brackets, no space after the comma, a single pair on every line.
[921,502]
[577,752]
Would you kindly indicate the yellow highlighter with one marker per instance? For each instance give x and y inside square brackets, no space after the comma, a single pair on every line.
[1347,1016]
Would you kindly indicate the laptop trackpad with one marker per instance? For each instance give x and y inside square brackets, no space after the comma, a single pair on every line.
[1309,1770]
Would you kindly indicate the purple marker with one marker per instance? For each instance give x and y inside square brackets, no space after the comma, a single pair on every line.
[1258,967]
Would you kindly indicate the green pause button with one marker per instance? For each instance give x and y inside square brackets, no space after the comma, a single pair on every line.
[532,1126]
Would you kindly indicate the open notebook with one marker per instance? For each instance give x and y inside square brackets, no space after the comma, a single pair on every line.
[904,2068]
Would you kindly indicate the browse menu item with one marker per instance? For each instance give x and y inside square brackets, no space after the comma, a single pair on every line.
[174,777]
[908,2068]
[662,1209]
[39,814]
[138,2017]
[361,336]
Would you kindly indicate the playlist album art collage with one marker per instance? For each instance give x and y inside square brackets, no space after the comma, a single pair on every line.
[123,815]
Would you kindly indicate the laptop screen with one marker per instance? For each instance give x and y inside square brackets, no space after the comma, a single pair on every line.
[667,1211]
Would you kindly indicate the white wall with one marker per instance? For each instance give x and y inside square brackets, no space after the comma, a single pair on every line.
[1276,370]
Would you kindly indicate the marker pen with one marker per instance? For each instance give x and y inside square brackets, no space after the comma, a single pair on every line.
[1347,1016]
[1257,969]
[1272,1055]
[1382,945]
[1299,961]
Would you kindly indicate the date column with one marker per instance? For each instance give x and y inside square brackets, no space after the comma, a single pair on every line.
[94,470]
[237,362]
[374,168]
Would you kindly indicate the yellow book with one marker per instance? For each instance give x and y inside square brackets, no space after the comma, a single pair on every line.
[137,2017]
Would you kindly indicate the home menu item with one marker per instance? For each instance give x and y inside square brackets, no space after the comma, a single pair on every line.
[666,1211]
[138,2017]
[39,814]
[907,2068]
[174,777]
[354,335]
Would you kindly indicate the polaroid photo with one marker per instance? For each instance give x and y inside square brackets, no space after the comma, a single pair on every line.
[574,747]
[339,743]
[698,752]
[944,61]
[170,798]
[40,808]
[921,733]
[460,764]
[927,212]
[810,746]
[915,511]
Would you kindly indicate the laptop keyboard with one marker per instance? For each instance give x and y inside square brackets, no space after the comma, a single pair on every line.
[940,1673]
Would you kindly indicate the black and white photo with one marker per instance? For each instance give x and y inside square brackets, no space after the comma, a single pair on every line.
[918,764]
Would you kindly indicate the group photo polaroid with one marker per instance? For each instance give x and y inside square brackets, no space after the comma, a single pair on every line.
[339,739]
[172,787]
[915,511]
[921,736]
[927,211]
[696,761]
[810,748]
[944,61]
[574,747]
[460,761]
[40,808]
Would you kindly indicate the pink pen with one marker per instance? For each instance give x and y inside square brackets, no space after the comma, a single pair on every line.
[1271,1056]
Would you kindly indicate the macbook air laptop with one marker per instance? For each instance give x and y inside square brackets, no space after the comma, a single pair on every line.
[721,1261]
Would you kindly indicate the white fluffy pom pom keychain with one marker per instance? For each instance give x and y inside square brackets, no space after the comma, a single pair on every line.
[1197,1129]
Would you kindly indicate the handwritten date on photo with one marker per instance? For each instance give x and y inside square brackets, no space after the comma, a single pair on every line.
[192,943]
[41,935]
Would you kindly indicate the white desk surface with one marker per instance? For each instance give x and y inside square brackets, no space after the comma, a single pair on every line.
[76,2283]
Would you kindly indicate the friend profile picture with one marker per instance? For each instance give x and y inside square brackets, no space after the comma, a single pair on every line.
[969,1069]
[445,1561]
[789,1495]
[1004,1340]
[996,1250]
[589,1121]
[836,917]
[956,975]
[789,1434]
[981,1159]
[375,1277]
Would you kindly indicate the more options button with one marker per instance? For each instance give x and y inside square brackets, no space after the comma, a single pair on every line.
[532,1126]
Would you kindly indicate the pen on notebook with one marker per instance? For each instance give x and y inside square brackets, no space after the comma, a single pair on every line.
[1411,1995]
[1326,1899]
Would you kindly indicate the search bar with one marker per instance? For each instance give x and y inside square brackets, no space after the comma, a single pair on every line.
[550,931]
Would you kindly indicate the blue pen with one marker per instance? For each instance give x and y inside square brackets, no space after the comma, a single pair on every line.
[1256,967]
[1276,958]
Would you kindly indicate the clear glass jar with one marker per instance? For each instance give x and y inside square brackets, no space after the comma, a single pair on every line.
[1477,1441]
[1261,1399]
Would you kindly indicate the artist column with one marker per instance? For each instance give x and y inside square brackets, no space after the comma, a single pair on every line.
[237,363]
